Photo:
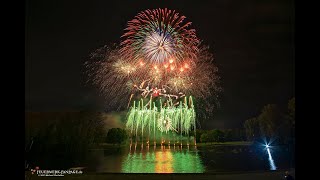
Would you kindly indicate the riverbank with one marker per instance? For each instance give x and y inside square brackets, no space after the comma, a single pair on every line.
[231,143]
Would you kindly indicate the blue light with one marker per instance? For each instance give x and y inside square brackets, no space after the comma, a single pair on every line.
[268,148]
[271,162]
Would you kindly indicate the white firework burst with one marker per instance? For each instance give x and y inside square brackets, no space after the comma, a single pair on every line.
[165,124]
[158,47]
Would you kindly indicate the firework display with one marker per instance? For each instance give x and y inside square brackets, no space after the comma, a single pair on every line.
[161,63]
[159,35]
[150,121]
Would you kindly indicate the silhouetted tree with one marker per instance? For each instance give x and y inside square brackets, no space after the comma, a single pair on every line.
[228,135]
[288,125]
[269,120]
[204,137]
[116,136]
[252,128]
[216,135]
[66,138]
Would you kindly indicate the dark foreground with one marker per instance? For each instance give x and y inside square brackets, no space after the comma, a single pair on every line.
[272,175]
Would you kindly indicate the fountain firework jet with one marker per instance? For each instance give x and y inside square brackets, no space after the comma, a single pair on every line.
[150,121]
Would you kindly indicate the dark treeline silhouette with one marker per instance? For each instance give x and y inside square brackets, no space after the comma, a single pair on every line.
[116,136]
[219,135]
[61,140]
[273,124]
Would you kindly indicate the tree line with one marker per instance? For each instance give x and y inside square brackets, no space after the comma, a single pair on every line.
[220,135]
[61,139]
[272,123]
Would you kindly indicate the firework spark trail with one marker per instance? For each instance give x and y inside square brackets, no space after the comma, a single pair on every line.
[118,80]
[160,59]
[166,119]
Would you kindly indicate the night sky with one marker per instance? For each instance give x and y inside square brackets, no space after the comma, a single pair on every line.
[252,42]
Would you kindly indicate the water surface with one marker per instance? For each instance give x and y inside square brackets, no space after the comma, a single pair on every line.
[174,159]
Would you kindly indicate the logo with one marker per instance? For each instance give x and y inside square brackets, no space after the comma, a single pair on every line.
[39,172]
[34,170]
